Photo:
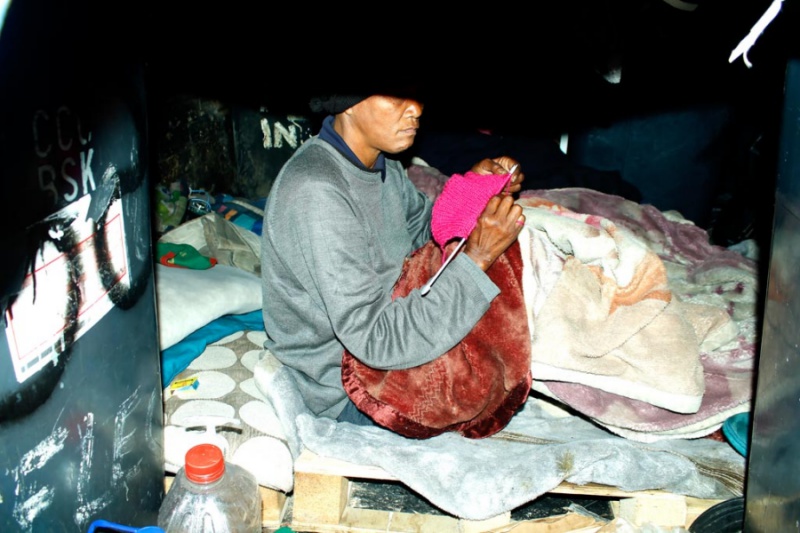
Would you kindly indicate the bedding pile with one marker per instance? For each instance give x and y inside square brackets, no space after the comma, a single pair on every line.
[636,320]
[642,289]
[642,339]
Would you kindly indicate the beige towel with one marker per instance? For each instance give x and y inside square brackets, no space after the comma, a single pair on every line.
[602,314]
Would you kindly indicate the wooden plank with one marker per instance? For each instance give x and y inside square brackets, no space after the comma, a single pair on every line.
[593,489]
[697,506]
[273,507]
[319,498]
[666,510]
[375,520]
[356,520]
[322,489]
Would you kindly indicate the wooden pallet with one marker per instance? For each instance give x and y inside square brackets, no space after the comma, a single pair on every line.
[322,488]
[273,504]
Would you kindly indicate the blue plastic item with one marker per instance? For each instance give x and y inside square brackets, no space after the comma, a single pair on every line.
[103,525]
[176,358]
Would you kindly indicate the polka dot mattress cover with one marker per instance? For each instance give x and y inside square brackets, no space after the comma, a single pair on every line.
[215,399]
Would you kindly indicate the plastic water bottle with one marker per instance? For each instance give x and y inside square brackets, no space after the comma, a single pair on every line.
[210,495]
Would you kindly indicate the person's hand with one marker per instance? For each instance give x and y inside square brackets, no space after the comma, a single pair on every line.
[497,228]
[501,165]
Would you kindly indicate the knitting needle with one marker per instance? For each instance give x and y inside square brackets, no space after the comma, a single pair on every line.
[511,173]
[427,287]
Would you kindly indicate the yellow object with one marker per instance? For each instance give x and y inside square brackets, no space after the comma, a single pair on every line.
[181,383]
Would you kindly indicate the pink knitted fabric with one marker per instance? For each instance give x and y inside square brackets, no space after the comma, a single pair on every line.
[463,199]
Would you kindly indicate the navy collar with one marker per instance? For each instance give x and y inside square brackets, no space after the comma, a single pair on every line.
[327,133]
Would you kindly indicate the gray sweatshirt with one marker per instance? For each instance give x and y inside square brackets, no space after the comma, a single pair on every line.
[333,244]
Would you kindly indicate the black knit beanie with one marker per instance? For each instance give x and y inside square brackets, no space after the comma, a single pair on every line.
[335,103]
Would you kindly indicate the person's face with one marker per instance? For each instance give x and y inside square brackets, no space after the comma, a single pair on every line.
[387,123]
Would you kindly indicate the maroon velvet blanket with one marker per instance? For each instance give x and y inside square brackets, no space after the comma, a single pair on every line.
[474,388]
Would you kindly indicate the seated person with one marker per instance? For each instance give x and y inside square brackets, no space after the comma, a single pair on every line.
[342,216]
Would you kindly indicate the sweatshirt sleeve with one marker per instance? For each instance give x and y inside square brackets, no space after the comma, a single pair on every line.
[354,280]
[418,209]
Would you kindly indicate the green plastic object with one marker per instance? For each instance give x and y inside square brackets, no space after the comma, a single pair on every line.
[737,430]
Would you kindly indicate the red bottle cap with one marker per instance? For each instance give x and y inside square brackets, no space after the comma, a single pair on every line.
[204,463]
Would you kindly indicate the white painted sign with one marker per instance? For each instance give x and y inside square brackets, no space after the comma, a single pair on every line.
[36,321]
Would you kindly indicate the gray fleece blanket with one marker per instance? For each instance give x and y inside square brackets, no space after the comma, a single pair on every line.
[541,447]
